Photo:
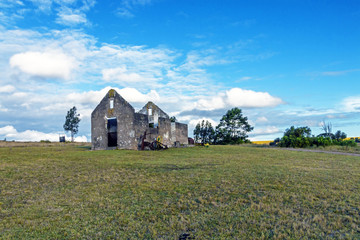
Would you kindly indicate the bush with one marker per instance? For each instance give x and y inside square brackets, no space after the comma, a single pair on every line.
[300,138]
[348,143]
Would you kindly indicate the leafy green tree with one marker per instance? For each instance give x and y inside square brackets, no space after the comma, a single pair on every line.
[72,122]
[339,135]
[204,132]
[296,137]
[233,127]
[301,137]
[298,132]
[197,132]
[173,119]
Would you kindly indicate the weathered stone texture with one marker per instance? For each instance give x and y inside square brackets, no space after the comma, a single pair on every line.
[131,125]
[181,133]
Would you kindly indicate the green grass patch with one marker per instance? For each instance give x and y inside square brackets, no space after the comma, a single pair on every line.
[222,192]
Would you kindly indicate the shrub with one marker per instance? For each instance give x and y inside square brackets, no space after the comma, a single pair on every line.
[300,138]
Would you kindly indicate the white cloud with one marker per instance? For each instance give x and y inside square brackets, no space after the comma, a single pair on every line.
[181,84]
[70,18]
[44,64]
[121,75]
[309,112]
[133,95]
[10,133]
[128,6]
[245,78]
[129,94]
[339,73]
[7,130]
[266,131]
[262,120]
[211,103]
[237,97]
[194,122]
[87,101]
[351,104]
[90,97]
[7,89]
[123,12]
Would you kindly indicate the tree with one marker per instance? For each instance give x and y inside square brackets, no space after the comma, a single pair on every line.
[233,127]
[298,132]
[173,119]
[72,122]
[301,138]
[339,135]
[204,132]
[296,137]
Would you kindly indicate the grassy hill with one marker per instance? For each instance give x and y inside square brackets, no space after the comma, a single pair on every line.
[65,191]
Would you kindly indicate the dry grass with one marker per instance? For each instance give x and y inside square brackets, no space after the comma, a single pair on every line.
[222,192]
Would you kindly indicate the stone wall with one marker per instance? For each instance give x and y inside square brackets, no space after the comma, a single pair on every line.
[124,114]
[181,131]
[131,125]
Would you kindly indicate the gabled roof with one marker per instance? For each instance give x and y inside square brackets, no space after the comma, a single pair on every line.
[154,107]
[113,94]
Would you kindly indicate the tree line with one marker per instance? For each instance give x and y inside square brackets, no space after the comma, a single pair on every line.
[232,129]
[301,137]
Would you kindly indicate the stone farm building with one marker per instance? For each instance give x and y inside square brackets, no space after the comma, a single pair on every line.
[115,124]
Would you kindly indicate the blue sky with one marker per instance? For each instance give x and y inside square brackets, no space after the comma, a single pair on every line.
[283,63]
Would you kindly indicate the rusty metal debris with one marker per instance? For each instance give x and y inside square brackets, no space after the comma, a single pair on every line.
[157,144]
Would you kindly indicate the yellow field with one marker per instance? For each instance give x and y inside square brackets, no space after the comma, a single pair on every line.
[262,142]
[268,141]
[348,138]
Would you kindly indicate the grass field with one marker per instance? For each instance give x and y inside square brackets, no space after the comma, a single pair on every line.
[222,192]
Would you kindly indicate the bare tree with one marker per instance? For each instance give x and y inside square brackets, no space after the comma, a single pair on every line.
[327,128]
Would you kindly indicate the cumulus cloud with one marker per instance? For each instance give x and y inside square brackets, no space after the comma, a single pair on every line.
[44,64]
[10,133]
[237,97]
[211,103]
[7,130]
[133,95]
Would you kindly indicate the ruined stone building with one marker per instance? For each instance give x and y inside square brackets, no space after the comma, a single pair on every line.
[115,124]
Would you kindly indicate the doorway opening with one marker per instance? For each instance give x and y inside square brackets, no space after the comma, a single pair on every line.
[112,132]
